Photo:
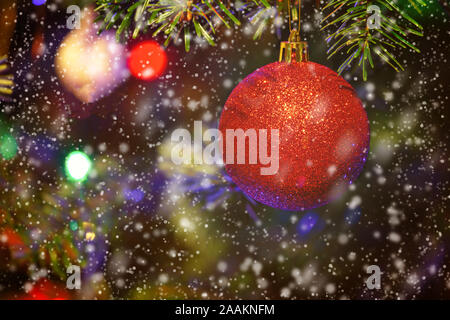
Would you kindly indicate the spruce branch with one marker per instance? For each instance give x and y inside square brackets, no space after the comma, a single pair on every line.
[173,18]
[185,19]
[354,36]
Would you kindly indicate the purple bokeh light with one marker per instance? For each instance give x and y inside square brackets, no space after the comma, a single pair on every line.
[39,2]
[307,223]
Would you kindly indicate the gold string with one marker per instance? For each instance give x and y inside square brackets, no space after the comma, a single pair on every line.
[289,14]
[293,50]
[298,16]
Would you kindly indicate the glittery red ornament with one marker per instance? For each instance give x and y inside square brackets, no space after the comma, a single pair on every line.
[323,133]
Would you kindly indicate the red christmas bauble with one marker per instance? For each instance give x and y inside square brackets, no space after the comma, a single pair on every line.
[147,60]
[323,134]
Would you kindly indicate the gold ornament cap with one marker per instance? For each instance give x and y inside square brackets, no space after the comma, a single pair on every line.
[294,49]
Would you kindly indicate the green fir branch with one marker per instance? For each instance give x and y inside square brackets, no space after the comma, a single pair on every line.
[353,37]
[170,17]
[349,20]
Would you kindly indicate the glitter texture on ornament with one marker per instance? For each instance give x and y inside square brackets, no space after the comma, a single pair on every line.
[324,133]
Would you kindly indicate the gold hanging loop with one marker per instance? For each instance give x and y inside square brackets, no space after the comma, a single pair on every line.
[294,50]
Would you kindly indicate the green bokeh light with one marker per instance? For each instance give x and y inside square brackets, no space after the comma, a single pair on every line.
[78,165]
[73,225]
[8,146]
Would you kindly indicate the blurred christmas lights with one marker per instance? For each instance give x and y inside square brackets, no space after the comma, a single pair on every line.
[147,60]
[78,165]
[39,2]
[8,146]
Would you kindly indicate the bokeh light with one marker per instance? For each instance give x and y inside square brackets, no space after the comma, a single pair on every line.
[39,2]
[8,146]
[147,60]
[78,165]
